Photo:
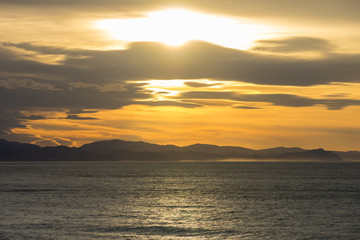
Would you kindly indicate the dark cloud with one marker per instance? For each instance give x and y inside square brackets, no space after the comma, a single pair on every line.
[339,95]
[287,100]
[306,11]
[294,44]
[8,54]
[337,104]
[194,60]
[17,137]
[83,4]
[46,50]
[34,117]
[27,83]
[246,107]
[66,99]
[79,111]
[163,92]
[77,117]
[9,118]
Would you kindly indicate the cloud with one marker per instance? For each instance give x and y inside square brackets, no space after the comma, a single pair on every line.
[325,11]
[92,80]
[46,50]
[34,117]
[84,5]
[118,87]
[26,83]
[338,95]
[53,142]
[66,99]
[77,117]
[200,84]
[246,107]
[169,103]
[195,60]
[8,54]
[9,118]
[294,44]
[287,100]
[79,111]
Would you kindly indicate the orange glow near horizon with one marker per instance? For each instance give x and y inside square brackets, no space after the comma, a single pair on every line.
[214,121]
[220,125]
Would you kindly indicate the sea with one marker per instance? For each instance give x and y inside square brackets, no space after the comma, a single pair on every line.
[180,200]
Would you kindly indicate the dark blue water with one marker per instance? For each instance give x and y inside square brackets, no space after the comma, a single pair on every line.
[180,200]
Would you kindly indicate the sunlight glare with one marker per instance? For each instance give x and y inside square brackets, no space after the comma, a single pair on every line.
[175,27]
[173,83]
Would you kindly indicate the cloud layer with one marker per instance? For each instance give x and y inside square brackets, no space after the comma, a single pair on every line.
[326,11]
[95,80]
[294,44]
[287,100]
[195,60]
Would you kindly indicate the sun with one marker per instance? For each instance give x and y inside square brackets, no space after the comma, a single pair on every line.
[176,26]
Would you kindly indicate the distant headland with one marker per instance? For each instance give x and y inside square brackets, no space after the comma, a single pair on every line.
[120,150]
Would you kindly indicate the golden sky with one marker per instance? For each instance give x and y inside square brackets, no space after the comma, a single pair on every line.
[256,74]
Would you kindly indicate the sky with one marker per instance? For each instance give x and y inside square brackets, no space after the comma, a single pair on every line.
[256,74]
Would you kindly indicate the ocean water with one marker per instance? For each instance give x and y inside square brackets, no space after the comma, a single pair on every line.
[180,200]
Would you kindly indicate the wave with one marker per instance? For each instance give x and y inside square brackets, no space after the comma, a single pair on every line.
[157,230]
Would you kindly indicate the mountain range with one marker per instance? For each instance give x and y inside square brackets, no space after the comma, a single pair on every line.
[120,150]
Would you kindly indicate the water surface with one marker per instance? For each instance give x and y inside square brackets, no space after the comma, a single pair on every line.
[180,200]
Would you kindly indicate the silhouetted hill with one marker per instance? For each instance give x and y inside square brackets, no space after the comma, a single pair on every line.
[349,155]
[279,150]
[106,147]
[115,150]
[15,146]
[14,151]
[220,150]
[316,154]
